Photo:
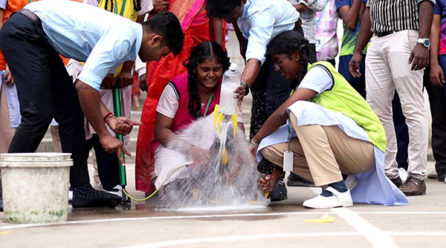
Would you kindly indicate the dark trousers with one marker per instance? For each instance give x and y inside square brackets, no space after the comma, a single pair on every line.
[108,163]
[357,83]
[437,99]
[402,133]
[45,90]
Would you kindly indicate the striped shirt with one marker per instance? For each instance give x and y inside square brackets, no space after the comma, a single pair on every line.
[394,15]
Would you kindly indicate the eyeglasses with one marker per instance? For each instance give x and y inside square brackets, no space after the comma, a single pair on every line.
[276,65]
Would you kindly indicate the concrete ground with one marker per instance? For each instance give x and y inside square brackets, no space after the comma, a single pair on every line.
[283,224]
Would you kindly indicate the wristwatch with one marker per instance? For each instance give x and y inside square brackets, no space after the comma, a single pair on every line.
[245,85]
[426,42]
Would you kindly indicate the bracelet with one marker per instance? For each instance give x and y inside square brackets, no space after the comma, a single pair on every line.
[253,143]
[246,87]
[110,114]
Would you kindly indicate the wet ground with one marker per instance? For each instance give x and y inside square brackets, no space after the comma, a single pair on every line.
[281,224]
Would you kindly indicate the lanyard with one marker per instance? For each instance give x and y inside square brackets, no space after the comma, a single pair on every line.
[209,103]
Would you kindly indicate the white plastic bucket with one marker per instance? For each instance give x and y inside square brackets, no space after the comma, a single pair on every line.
[35,186]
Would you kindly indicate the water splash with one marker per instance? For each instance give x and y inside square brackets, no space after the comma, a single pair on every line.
[215,185]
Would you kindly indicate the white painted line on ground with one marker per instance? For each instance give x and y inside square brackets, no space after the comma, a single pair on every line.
[263,236]
[374,235]
[211,216]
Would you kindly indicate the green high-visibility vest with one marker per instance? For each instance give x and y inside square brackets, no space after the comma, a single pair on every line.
[344,99]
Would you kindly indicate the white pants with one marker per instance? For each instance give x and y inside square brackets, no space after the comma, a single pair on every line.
[388,69]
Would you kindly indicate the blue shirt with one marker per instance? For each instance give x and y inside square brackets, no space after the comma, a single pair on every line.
[261,21]
[86,33]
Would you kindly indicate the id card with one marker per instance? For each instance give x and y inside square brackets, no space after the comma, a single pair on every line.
[288,161]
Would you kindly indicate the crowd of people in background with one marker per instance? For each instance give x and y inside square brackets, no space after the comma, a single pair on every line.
[310,96]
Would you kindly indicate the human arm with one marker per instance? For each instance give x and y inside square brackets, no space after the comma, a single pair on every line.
[436,73]
[159,6]
[2,13]
[316,81]
[260,33]
[419,57]
[241,40]
[280,116]
[349,14]
[94,111]
[216,30]
[125,77]
[364,36]
[7,78]
[315,5]
[165,135]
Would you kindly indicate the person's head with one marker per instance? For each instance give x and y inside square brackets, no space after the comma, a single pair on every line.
[229,10]
[288,52]
[205,67]
[162,34]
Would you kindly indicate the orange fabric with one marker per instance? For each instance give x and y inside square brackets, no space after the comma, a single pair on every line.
[158,75]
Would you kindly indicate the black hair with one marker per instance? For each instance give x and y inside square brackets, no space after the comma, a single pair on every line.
[136,5]
[222,8]
[203,51]
[287,43]
[167,25]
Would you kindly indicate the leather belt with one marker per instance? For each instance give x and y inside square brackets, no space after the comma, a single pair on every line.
[30,15]
[382,34]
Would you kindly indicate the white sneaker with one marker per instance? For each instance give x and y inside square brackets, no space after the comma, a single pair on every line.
[117,190]
[338,199]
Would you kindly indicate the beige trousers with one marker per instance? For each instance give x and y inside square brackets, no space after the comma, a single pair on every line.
[387,69]
[322,153]
[6,131]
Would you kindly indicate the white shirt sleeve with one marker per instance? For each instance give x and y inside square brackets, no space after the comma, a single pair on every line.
[92,2]
[169,102]
[140,67]
[318,79]
[146,7]
[3,4]
[260,34]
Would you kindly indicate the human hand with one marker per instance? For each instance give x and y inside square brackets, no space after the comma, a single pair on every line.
[419,57]
[200,156]
[142,82]
[437,75]
[160,6]
[125,78]
[8,79]
[252,149]
[113,145]
[266,184]
[239,93]
[121,125]
[108,82]
[355,64]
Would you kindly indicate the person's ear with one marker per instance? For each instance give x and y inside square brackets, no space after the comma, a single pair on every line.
[156,40]
[295,56]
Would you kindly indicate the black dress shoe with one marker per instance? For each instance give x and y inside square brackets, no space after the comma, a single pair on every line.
[297,181]
[279,192]
[85,196]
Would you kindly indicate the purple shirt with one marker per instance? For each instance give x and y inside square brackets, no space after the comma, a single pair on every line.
[326,38]
[440,9]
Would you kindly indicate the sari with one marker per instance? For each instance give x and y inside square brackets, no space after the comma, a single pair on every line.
[195,25]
